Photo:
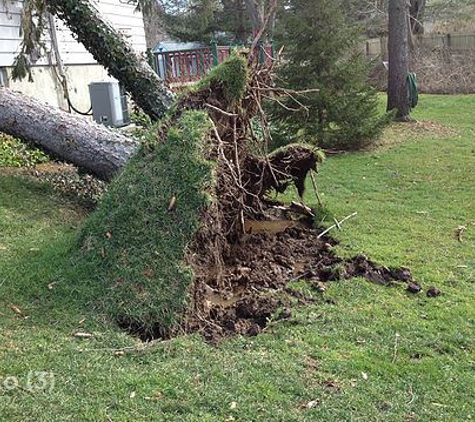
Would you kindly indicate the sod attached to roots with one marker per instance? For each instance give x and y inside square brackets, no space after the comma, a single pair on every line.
[179,206]
[142,227]
[176,238]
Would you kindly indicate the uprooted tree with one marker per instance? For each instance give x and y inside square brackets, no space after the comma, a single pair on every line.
[189,236]
[182,201]
[167,228]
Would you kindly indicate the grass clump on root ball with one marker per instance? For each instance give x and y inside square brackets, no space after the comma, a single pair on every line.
[141,229]
[232,76]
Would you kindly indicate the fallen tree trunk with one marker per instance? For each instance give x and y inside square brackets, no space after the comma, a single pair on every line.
[81,142]
[78,141]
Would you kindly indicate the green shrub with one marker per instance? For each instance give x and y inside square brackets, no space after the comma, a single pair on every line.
[14,153]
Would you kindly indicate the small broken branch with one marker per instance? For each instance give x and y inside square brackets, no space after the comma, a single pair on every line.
[283,105]
[314,184]
[339,223]
[212,107]
[396,338]
[286,91]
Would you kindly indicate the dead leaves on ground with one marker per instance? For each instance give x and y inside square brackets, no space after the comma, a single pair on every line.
[19,312]
[460,231]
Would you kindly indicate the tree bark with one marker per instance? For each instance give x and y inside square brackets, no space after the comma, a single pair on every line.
[398,98]
[115,54]
[255,10]
[154,26]
[417,14]
[79,141]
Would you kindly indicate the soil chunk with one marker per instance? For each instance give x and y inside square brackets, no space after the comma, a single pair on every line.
[253,284]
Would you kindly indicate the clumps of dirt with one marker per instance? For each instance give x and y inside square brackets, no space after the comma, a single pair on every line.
[254,282]
[361,266]
[433,292]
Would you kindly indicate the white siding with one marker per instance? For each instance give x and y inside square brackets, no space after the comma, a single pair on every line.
[121,15]
[9,31]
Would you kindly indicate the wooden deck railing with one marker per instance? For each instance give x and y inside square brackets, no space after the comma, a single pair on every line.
[188,66]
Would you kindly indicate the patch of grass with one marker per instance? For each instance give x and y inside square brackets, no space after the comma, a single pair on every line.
[138,238]
[341,355]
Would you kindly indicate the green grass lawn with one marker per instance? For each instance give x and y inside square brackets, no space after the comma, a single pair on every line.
[371,354]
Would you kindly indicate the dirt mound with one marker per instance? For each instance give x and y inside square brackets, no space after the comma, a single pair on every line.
[253,285]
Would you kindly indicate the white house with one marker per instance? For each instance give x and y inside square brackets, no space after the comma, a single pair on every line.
[78,65]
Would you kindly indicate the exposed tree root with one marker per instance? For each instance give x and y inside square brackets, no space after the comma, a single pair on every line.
[243,247]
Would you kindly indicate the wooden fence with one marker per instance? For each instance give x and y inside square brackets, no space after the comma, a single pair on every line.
[377,47]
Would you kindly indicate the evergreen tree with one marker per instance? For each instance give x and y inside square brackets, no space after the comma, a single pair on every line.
[234,22]
[322,50]
[190,20]
[225,21]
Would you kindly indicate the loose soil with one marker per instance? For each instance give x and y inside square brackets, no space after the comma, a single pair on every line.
[255,284]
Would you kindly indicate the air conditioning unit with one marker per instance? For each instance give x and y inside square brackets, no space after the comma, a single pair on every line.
[109,104]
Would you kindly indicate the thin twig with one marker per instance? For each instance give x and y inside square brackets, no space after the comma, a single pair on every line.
[411,393]
[293,110]
[312,178]
[324,232]
[288,91]
[220,110]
